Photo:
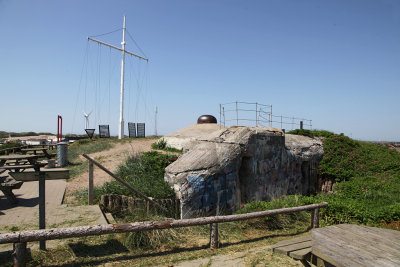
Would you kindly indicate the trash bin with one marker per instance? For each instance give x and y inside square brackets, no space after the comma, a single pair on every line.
[62,154]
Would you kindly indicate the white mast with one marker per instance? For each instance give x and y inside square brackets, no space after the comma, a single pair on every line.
[121,101]
[155,121]
[121,109]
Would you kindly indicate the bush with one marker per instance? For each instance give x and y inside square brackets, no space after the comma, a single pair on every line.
[162,145]
[145,172]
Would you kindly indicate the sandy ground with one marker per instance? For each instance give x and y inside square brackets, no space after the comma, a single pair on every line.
[110,159]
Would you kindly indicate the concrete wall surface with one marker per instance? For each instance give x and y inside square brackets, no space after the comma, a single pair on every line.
[238,165]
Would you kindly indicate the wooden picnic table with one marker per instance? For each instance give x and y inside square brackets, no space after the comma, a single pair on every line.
[17,159]
[42,152]
[16,163]
[356,245]
[344,245]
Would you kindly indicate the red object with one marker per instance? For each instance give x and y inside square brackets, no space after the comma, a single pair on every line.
[59,129]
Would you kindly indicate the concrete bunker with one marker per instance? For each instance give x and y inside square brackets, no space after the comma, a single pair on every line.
[226,167]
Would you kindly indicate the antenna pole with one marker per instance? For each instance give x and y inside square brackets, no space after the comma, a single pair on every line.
[155,121]
[121,104]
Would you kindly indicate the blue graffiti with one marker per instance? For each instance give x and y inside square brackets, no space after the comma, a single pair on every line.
[196,182]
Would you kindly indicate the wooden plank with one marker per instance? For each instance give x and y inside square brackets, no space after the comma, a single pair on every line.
[301,254]
[292,241]
[388,240]
[344,248]
[18,157]
[50,174]
[290,248]
[387,236]
[17,167]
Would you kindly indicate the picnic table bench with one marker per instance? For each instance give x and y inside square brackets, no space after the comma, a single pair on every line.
[7,184]
[23,166]
[297,248]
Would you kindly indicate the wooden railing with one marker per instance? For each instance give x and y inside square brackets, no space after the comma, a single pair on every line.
[21,238]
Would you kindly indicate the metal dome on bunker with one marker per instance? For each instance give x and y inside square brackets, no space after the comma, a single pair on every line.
[206,119]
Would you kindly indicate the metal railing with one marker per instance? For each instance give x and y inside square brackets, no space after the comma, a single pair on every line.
[259,115]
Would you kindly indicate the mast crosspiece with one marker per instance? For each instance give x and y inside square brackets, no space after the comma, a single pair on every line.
[123,43]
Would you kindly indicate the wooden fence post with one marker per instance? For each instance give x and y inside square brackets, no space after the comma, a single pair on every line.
[315,218]
[90,190]
[214,235]
[19,254]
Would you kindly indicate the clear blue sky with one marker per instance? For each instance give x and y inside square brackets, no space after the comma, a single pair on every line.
[334,62]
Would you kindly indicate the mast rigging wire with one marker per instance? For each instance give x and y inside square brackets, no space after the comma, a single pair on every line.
[106,33]
[141,51]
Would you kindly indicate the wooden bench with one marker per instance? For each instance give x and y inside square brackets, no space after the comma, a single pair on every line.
[7,184]
[20,162]
[297,248]
[24,166]
[17,167]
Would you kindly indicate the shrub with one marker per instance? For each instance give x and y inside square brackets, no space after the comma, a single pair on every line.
[162,145]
